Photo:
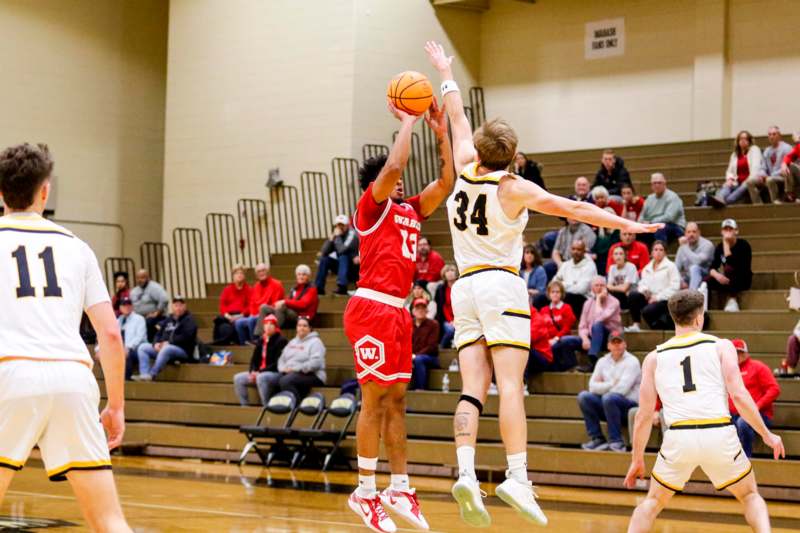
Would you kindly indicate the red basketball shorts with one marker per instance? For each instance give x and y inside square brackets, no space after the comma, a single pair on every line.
[381,337]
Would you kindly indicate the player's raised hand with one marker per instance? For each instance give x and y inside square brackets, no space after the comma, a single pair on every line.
[438,58]
[402,116]
[437,118]
[639,227]
[113,421]
[776,443]
[635,472]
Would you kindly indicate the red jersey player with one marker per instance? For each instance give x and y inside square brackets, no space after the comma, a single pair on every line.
[377,324]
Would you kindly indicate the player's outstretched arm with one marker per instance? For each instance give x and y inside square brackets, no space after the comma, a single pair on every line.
[437,191]
[463,149]
[112,359]
[396,162]
[742,400]
[644,420]
[525,194]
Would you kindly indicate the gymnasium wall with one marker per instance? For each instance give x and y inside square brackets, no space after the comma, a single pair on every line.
[88,79]
[253,85]
[692,69]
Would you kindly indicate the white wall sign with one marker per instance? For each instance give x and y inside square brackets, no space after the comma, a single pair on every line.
[605,38]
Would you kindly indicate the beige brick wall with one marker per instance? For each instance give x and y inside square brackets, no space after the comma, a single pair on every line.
[88,78]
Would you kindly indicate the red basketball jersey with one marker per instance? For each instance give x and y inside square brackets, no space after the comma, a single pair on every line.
[388,234]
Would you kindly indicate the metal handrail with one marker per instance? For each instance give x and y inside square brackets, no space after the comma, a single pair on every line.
[373,150]
[253,231]
[156,258]
[99,224]
[190,262]
[284,220]
[478,105]
[223,251]
[346,189]
[112,265]
[317,203]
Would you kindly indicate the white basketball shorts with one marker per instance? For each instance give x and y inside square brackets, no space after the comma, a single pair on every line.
[53,404]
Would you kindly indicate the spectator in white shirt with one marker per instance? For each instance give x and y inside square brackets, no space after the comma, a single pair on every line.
[134,333]
[613,390]
[660,280]
[576,275]
[694,257]
[622,277]
[773,158]
[562,251]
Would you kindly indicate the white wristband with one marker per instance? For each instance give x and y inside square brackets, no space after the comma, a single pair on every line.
[448,86]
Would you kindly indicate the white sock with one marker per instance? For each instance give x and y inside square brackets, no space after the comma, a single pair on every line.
[466,460]
[400,481]
[518,466]
[366,486]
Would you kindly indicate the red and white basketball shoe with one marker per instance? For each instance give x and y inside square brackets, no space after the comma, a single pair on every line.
[405,503]
[372,513]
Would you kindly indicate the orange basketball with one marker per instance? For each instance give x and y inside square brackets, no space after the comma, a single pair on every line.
[410,92]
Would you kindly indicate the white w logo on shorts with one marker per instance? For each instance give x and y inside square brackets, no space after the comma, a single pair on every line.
[368,354]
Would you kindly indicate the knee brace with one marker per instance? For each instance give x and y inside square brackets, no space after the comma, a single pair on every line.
[474,401]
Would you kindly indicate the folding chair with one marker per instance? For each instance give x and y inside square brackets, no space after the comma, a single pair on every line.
[323,442]
[308,416]
[282,405]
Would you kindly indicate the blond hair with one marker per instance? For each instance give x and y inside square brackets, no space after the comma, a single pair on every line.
[496,144]
[238,267]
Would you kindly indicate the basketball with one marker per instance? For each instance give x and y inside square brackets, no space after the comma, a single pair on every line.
[410,92]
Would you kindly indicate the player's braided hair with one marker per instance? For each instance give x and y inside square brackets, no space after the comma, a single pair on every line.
[23,169]
[370,170]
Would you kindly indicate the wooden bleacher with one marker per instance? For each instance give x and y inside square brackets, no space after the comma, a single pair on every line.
[192,409]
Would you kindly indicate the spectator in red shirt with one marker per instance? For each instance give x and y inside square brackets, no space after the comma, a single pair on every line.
[444,305]
[267,291]
[762,387]
[302,301]
[429,262]
[122,289]
[635,251]
[790,170]
[234,305]
[548,326]
[631,205]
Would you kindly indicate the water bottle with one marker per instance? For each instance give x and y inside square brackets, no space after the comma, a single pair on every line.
[446,383]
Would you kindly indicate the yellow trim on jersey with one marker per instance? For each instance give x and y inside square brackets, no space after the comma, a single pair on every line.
[16,465]
[515,344]
[526,312]
[689,339]
[737,478]
[44,359]
[468,343]
[480,180]
[82,465]
[33,229]
[702,422]
[480,268]
[661,481]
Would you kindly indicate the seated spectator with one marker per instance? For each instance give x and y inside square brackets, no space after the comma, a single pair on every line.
[532,271]
[731,272]
[789,364]
[302,363]
[622,277]
[764,390]
[424,345]
[773,158]
[583,190]
[549,325]
[665,206]
[419,290]
[790,170]
[528,169]
[265,293]
[744,173]
[562,251]
[234,305]
[175,341]
[600,316]
[694,257]
[576,276]
[631,205]
[134,334]
[659,280]
[635,251]
[444,305]
[302,300]
[613,390]
[149,300]
[612,174]
[429,263]
[122,289]
[263,371]
[337,255]
[605,237]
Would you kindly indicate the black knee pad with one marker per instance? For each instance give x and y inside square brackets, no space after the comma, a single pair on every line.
[474,401]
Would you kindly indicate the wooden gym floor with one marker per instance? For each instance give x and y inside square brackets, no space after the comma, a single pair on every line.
[165,495]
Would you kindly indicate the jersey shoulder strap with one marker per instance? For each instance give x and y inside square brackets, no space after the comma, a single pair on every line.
[469,174]
[686,341]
